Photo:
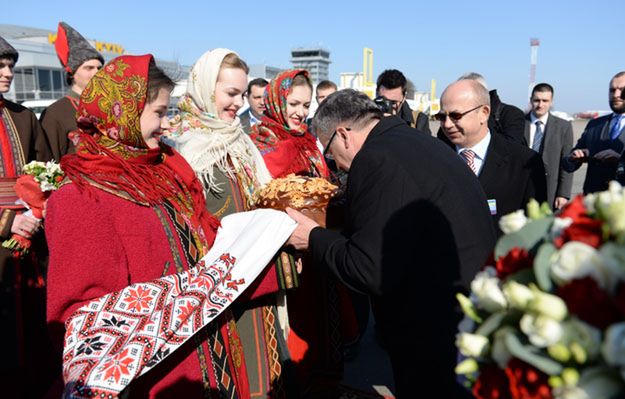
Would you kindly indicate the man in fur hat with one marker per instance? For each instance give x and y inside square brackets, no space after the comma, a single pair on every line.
[80,61]
[23,335]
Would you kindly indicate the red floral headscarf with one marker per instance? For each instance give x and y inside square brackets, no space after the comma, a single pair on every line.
[111,153]
[286,150]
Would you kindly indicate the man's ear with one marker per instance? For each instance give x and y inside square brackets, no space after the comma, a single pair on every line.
[342,131]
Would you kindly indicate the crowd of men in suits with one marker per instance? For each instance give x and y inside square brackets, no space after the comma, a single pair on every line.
[414,201]
[423,219]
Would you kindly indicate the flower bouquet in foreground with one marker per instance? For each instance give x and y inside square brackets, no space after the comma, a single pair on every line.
[33,188]
[546,317]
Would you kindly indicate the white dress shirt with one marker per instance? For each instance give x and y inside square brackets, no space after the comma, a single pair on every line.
[480,150]
[533,119]
[253,119]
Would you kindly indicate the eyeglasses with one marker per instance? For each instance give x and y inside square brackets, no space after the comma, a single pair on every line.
[325,150]
[454,116]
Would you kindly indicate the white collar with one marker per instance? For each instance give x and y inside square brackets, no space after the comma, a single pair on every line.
[543,118]
[479,149]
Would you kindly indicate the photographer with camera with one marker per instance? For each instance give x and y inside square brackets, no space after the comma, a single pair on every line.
[391,99]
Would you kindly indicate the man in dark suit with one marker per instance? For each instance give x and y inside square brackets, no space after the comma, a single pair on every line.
[256,101]
[552,138]
[417,228]
[602,142]
[510,173]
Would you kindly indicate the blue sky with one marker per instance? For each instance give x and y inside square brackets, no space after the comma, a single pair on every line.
[582,42]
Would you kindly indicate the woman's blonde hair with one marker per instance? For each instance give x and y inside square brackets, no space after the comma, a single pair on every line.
[234,61]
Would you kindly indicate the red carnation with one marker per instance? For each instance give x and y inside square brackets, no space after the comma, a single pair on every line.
[492,383]
[515,260]
[526,382]
[586,300]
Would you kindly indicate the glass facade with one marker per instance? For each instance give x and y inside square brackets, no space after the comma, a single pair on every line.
[38,84]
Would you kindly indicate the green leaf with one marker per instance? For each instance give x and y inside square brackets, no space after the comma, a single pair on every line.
[542,263]
[526,238]
[492,323]
[531,355]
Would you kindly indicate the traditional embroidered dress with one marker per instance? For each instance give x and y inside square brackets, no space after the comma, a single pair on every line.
[132,214]
[315,338]
[231,169]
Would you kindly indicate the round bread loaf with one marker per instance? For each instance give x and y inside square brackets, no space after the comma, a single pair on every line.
[309,195]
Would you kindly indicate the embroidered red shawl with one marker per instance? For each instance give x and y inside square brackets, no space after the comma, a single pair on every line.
[111,154]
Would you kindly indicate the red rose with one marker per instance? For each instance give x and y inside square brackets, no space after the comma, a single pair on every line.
[584,230]
[492,383]
[586,300]
[526,382]
[574,209]
[515,260]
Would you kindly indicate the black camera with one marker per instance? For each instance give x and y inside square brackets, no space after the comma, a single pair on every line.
[385,105]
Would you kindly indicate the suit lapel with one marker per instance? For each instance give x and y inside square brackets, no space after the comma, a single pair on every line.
[549,135]
[496,157]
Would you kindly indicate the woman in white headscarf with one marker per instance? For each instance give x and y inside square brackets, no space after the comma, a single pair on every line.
[209,135]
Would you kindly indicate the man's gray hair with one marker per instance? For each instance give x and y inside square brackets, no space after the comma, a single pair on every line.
[344,106]
[474,76]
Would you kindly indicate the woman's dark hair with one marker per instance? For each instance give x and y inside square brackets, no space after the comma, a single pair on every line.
[157,79]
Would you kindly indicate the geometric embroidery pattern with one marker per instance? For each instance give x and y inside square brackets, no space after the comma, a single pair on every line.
[122,335]
[273,356]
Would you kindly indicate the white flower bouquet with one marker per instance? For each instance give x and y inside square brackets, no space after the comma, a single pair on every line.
[546,317]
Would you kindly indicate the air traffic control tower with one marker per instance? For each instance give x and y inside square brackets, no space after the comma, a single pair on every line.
[315,60]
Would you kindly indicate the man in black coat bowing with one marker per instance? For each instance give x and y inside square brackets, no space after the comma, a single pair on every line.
[418,229]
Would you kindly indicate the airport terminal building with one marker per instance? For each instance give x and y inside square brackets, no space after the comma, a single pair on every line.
[38,72]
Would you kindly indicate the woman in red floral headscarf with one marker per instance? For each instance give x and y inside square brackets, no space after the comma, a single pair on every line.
[131,211]
[282,136]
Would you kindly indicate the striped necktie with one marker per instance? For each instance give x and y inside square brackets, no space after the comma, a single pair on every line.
[538,136]
[469,158]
